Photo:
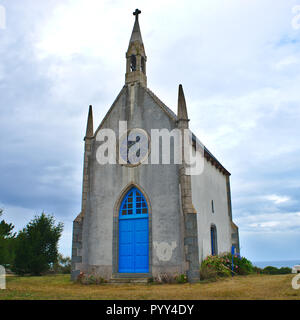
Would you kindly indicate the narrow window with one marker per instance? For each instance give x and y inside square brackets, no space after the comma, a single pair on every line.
[212,206]
[143,64]
[214,244]
[133,63]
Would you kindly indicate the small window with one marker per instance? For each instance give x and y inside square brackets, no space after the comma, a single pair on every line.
[133,63]
[213,236]
[212,206]
[143,64]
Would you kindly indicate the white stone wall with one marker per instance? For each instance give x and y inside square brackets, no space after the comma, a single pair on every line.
[211,185]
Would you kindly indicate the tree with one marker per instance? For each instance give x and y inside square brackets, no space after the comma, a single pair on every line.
[7,241]
[36,245]
[62,265]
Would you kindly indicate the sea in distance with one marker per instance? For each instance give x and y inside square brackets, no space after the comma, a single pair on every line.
[277,264]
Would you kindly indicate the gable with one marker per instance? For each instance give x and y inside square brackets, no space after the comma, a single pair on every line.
[140,107]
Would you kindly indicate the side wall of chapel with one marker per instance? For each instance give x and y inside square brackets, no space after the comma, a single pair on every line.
[211,185]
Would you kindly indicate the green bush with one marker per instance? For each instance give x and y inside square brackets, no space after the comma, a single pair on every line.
[213,267]
[285,270]
[181,278]
[36,246]
[274,270]
[270,270]
[151,280]
[62,265]
[258,270]
[208,273]
[7,243]
[221,266]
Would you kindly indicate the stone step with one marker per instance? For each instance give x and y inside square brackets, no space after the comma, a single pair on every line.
[129,280]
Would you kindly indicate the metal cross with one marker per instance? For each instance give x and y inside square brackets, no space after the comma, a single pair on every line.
[137,12]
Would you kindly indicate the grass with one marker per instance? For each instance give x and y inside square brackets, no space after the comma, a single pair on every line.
[59,287]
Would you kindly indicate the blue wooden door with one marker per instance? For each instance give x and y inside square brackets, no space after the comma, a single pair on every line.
[133,234]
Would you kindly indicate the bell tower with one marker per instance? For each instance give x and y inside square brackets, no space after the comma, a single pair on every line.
[136,56]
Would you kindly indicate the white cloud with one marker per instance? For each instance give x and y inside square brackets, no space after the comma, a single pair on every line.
[276,198]
[286,62]
[285,222]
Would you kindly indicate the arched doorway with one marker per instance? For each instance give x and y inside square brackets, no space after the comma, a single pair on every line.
[134,233]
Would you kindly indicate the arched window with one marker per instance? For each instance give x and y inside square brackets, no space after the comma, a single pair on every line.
[213,236]
[133,205]
[133,63]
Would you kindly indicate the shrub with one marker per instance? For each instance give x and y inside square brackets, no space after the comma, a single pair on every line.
[221,266]
[90,279]
[36,246]
[274,270]
[208,273]
[150,280]
[241,265]
[285,270]
[270,270]
[7,243]
[214,266]
[258,270]
[181,278]
[62,265]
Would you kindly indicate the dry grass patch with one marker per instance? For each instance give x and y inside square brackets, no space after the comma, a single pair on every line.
[60,287]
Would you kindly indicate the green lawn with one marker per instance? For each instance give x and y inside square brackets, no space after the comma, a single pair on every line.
[59,287]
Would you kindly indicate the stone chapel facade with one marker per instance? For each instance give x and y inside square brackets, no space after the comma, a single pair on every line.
[141,221]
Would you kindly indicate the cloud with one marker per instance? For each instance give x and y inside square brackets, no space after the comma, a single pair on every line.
[278,222]
[277,199]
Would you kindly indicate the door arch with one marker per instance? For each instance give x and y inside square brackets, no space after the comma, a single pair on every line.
[133,233]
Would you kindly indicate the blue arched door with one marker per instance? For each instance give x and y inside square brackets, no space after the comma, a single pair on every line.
[133,233]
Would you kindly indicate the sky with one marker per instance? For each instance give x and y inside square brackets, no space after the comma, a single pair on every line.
[238,61]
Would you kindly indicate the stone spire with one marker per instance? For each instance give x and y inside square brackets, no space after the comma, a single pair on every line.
[185,180]
[90,126]
[86,159]
[189,212]
[182,114]
[136,56]
[136,32]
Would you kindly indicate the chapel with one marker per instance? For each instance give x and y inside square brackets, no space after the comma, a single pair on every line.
[141,219]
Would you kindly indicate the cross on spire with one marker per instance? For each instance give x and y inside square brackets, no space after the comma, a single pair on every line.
[136,13]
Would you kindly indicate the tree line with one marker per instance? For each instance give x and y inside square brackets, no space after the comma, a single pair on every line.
[34,249]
